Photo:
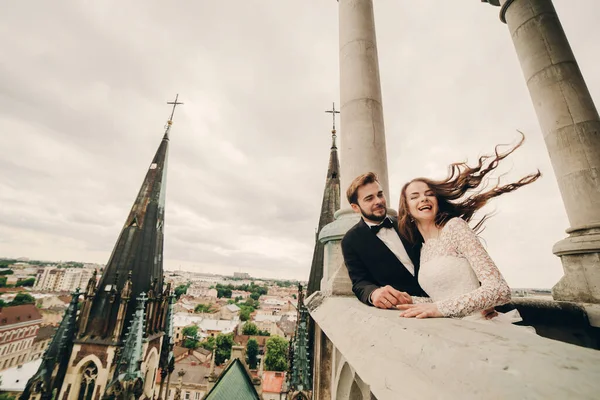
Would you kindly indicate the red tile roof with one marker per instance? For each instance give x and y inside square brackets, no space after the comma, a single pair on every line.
[19,314]
[273,381]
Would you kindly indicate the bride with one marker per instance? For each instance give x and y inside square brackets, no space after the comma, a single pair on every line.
[456,271]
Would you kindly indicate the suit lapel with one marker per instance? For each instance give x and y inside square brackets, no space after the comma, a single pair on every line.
[380,249]
[414,251]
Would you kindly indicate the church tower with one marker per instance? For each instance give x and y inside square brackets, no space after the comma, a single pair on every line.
[112,348]
[330,204]
[318,343]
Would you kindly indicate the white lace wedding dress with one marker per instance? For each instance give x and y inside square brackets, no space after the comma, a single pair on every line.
[460,277]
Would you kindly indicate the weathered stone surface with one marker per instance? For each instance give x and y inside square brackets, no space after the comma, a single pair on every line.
[449,358]
[363,141]
[570,124]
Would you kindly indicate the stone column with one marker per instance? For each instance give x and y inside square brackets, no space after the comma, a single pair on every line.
[363,134]
[571,127]
[362,141]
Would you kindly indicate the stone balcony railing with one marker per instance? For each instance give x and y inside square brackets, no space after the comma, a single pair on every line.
[379,355]
[362,352]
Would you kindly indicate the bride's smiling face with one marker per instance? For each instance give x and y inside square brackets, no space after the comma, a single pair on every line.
[422,203]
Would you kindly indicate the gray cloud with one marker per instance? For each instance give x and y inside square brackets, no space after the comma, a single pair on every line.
[82,112]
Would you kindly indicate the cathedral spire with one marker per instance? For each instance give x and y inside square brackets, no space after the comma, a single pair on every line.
[330,204]
[300,371]
[138,252]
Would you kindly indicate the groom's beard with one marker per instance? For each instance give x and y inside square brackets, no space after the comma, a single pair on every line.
[373,217]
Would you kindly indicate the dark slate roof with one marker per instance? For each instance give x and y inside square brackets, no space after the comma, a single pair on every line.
[234,383]
[139,248]
[330,204]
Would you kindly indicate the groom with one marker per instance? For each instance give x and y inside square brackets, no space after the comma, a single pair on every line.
[382,267]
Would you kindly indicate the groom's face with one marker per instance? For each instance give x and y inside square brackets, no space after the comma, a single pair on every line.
[371,202]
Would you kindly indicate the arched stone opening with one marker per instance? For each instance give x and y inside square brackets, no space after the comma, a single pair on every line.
[355,392]
[344,383]
[89,375]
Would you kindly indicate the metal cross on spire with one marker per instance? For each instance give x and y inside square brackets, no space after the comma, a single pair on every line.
[333,111]
[175,103]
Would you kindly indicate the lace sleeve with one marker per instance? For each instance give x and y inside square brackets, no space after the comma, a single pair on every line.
[493,290]
[417,300]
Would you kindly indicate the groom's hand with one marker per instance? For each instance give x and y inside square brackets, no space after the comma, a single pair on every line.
[489,313]
[388,297]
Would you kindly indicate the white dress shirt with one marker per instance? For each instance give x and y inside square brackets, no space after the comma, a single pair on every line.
[390,238]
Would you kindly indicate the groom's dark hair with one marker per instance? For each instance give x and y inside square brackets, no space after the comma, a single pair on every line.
[358,182]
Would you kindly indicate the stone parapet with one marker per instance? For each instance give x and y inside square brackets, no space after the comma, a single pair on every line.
[389,357]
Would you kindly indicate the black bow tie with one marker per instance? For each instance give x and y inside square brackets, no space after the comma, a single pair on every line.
[387,223]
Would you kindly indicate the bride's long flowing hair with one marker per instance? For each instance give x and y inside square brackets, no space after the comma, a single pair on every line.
[450,192]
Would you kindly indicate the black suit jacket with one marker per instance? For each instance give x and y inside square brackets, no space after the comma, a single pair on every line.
[371,264]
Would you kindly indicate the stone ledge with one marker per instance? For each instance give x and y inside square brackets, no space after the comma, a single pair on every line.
[575,323]
[449,358]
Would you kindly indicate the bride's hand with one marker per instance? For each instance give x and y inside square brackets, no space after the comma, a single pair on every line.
[420,310]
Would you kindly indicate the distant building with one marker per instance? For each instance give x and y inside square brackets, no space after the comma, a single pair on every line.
[230,312]
[269,325]
[193,383]
[241,275]
[202,291]
[41,342]
[242,340]
[19,327]
[272,385]
[182,320]
[212,327]
[62,279]
[14,379]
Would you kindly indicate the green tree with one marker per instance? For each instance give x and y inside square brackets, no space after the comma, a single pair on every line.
[180,290]
[3,281]
[5,396]
[244,314]
[251,303]
[7,272]
[276,356]
[209,343]
[27,282]
[252,353]
[22,298]
[203,308]
[264,333]
[250,329]
[190,335]
[255,296]
[223,352]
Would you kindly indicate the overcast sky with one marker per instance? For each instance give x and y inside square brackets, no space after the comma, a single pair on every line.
[83,87]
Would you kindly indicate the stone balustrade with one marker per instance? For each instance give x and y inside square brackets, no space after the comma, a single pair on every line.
[377,354]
